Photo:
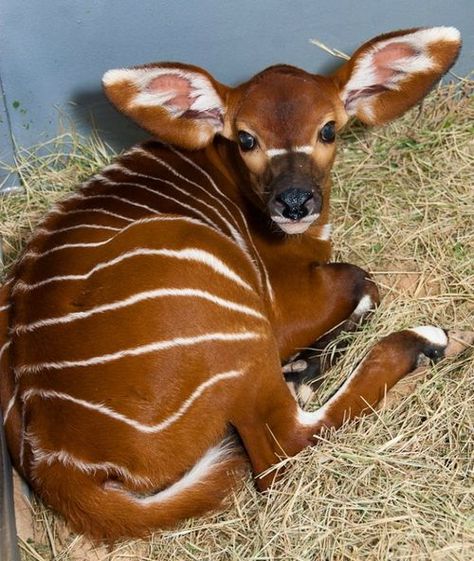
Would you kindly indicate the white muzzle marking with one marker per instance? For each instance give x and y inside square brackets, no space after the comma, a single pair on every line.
[295,227]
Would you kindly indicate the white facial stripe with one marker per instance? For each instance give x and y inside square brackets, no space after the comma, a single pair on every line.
[138,351]
[109,412]
[4,308]
[136,298]
[305,149]
[186,254]
[272,152]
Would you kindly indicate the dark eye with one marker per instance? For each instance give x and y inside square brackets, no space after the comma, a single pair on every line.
[247,141]
[328,132]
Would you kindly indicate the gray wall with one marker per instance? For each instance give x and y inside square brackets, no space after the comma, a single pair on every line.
[54,52]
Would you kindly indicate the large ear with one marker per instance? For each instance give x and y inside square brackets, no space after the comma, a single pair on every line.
[180,104]
[391,73]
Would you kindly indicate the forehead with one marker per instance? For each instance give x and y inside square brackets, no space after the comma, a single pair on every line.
[284,102]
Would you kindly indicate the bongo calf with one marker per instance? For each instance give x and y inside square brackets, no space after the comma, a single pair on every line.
[150,314]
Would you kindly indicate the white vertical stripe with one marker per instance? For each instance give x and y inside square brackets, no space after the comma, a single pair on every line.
[325,232]
[22,434]
[239,211]
[121,200]
[42,455]
[149,154]
[91,210]
[164,196]
[133,224]
[137,351]
[46,231]
[33,253]
[136,298]
[10,405]
[112,413]
[3,348]
[186,254]
[234,233]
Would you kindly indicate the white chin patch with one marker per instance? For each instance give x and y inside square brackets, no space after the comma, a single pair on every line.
[294,227]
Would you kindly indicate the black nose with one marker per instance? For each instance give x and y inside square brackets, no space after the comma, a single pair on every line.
[293,201]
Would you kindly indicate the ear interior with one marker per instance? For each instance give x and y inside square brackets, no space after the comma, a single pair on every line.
[183,94]
[389,63]
[180,104]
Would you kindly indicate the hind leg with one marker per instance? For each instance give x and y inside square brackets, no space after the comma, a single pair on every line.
[109,511]
[275,426]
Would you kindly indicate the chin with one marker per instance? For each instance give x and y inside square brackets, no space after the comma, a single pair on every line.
[293,227]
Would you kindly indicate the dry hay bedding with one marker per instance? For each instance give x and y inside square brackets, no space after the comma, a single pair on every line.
[396,485]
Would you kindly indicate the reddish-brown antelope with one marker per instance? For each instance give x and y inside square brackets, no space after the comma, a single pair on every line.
[150,314]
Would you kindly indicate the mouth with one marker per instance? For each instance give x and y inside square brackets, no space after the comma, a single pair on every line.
[294,226]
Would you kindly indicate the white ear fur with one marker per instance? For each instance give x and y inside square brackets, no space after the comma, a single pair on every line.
[203,97]
[364,78]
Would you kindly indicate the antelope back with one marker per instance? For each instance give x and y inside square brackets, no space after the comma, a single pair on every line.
[136,297]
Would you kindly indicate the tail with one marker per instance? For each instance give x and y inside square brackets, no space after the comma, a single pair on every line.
[107,511]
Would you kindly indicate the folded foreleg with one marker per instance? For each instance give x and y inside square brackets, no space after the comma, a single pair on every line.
[387,362]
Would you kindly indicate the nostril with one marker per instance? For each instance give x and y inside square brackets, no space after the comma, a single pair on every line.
[294,197]
[308,197]
[293,202]
[295,213]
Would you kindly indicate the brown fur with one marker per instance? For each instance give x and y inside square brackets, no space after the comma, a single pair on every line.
[285,108]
